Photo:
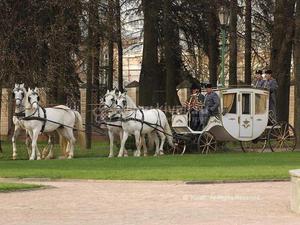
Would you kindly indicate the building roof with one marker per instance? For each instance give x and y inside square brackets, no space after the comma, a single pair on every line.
[133,84]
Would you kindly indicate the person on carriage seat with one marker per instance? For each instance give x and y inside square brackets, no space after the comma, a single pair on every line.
[194,104]
[258,81]
[271,85]
[211,106]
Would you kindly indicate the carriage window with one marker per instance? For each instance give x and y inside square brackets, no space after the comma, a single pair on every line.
[260,104]
[246,100]
[229,103]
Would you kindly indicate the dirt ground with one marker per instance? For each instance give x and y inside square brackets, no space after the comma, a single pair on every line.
[163,203]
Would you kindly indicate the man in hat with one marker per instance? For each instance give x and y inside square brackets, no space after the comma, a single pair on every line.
[211,106]
[259,81]
[196,91]
[212,101]
[195,101]
[271,85]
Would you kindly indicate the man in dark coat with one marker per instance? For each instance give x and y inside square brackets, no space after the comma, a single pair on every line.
[211,106]
[212,101]
[271,85]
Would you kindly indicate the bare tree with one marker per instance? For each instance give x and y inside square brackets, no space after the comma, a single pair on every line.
[172,53]
[297,72]
[248,42]
[213,40]
[233,43]
[281,53]
[1,150]
[111,38]
[150,70]
[120,45]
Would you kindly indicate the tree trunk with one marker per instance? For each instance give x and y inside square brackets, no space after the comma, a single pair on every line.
[233,43]
[172,54]
[0,115]
[92,30]
[96,53]
[281,53]
[248,42]
[150,69]
[297,73]
[213,46]
[120,46]
[111,19]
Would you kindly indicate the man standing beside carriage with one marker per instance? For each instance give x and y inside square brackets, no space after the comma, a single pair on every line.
[271,84]
[259,81]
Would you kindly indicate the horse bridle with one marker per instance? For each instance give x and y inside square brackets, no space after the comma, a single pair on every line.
[122,107]
[37,101]
[112,101]
[20,106]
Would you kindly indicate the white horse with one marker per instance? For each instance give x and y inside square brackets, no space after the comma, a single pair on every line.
[19,93]
[114,124]
[61,119]
[138,122]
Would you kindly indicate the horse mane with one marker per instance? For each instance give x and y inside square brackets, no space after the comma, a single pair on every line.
[27,104]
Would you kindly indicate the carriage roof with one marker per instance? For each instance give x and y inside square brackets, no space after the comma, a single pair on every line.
[242,89]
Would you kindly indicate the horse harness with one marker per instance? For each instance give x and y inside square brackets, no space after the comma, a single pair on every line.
[155,126]
[39,118]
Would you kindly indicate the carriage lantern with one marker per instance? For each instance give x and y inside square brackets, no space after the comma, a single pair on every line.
[224,16]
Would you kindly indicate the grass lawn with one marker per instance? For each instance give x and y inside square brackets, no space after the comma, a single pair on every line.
[93,164]
[6,187]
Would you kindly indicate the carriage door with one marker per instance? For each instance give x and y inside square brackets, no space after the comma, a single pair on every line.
[245,117]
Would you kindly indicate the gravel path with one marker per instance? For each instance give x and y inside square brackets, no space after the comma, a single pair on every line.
[163,203]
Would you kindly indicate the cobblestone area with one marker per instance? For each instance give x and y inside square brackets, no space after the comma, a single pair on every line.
[118,202]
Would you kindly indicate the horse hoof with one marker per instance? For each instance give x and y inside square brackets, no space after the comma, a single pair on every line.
[31,158]
[110,156]
[138,154]
[38,158]
[14,157]
[120,156]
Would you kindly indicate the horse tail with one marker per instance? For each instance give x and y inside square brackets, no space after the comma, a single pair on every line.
[63,143]
[80,130]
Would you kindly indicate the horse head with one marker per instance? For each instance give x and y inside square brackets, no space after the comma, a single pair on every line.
[19,93]
[32,98]
[121,102]
[109,99]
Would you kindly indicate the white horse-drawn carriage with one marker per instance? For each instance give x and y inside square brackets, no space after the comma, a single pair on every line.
[244,117]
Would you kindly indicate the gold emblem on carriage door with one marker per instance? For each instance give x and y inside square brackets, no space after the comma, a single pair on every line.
[246,123]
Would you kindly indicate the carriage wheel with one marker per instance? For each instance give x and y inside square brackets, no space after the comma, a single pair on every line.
[254,146]
[206,143]
[179,146]
[282,137]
